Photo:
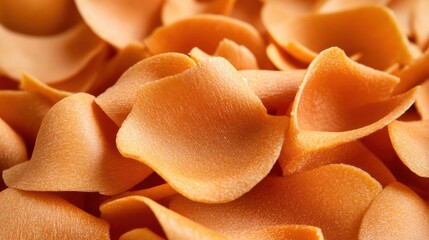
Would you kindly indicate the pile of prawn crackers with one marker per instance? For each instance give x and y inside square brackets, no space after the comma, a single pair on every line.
[214,119]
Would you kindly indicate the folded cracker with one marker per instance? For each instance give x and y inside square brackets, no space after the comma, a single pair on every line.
[339,101]
[333,198]
[121,22]
[289,232]
[410,141]
[302,36]
[149,214]
[49,58]
[31,215]
[276,89]
[45,17]
[117,101]
[422,101]
[204,131]
[24,112]
[75,151]
[397,213]
[140,233]
[205,32]
[174,10]
[12,147]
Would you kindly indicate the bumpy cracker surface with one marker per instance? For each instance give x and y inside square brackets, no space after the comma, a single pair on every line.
[207,151]
[214,119]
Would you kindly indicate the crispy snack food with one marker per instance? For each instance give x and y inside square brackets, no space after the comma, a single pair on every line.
[214,119]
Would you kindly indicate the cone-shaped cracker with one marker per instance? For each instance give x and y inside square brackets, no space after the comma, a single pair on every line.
[339,101]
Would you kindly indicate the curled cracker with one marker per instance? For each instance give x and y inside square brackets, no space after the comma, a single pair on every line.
[205,32]
[75,151]
[281,200]
[118,100]
[305,35]
[340,101]
[150,214]
[204,131]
